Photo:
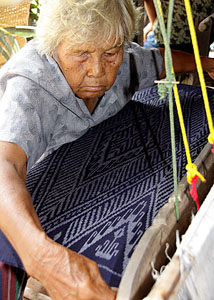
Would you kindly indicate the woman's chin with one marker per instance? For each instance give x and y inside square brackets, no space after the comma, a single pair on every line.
[91,95]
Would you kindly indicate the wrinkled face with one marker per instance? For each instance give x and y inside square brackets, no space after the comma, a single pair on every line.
[90,68]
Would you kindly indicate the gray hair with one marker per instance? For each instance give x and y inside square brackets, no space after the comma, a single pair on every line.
[80,21]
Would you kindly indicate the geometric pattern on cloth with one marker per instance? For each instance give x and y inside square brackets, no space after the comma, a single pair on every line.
[99,194]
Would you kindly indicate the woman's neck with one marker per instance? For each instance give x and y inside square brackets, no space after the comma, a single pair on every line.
[91,103]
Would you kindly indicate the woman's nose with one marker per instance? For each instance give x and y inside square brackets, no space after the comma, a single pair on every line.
[95,67]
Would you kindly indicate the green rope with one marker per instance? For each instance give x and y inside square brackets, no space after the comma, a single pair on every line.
[169,21]
[165,89]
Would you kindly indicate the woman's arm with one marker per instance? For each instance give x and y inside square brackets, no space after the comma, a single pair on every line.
[185,63]
[151,13]
[65,274]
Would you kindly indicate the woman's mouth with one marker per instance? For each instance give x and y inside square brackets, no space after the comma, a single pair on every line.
[90,88]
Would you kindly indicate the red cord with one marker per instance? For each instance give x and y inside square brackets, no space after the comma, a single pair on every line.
[212,150]
[193,191]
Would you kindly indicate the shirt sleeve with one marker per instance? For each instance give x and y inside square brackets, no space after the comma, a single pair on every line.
[20,122]
[148,63]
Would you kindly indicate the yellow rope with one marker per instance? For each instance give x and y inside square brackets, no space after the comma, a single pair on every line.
[200,70]
[190,167]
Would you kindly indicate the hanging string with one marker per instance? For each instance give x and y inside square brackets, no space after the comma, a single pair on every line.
[166,89]
[202,83]
[192,171]
[200,71]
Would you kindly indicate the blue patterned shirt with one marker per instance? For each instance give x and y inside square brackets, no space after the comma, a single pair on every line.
[38,110]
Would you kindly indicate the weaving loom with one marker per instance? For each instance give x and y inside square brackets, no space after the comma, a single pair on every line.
[99,201]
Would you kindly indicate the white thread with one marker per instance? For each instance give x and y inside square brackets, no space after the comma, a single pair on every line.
[166,252]
[155,273]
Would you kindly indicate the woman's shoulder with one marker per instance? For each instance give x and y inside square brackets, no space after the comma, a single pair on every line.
[27,65]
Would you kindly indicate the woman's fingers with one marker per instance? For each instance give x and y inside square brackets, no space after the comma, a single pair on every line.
[72,276]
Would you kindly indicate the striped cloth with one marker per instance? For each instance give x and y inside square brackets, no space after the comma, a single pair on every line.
[12,282]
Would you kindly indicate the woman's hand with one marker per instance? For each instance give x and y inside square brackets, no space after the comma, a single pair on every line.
[208,65]
[68,275]
[211,74]
[146,30]
[63,273]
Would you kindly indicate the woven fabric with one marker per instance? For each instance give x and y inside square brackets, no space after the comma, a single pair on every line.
[99,194]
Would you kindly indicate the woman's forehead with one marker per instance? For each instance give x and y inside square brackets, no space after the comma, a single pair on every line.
[91,46]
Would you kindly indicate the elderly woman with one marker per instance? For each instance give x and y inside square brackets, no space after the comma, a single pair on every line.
[81,69]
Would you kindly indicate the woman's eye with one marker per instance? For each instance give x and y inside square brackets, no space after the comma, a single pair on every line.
[110,54]
[83,55]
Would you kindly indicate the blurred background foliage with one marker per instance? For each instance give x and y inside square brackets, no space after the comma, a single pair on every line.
[34,12]
[8,35]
